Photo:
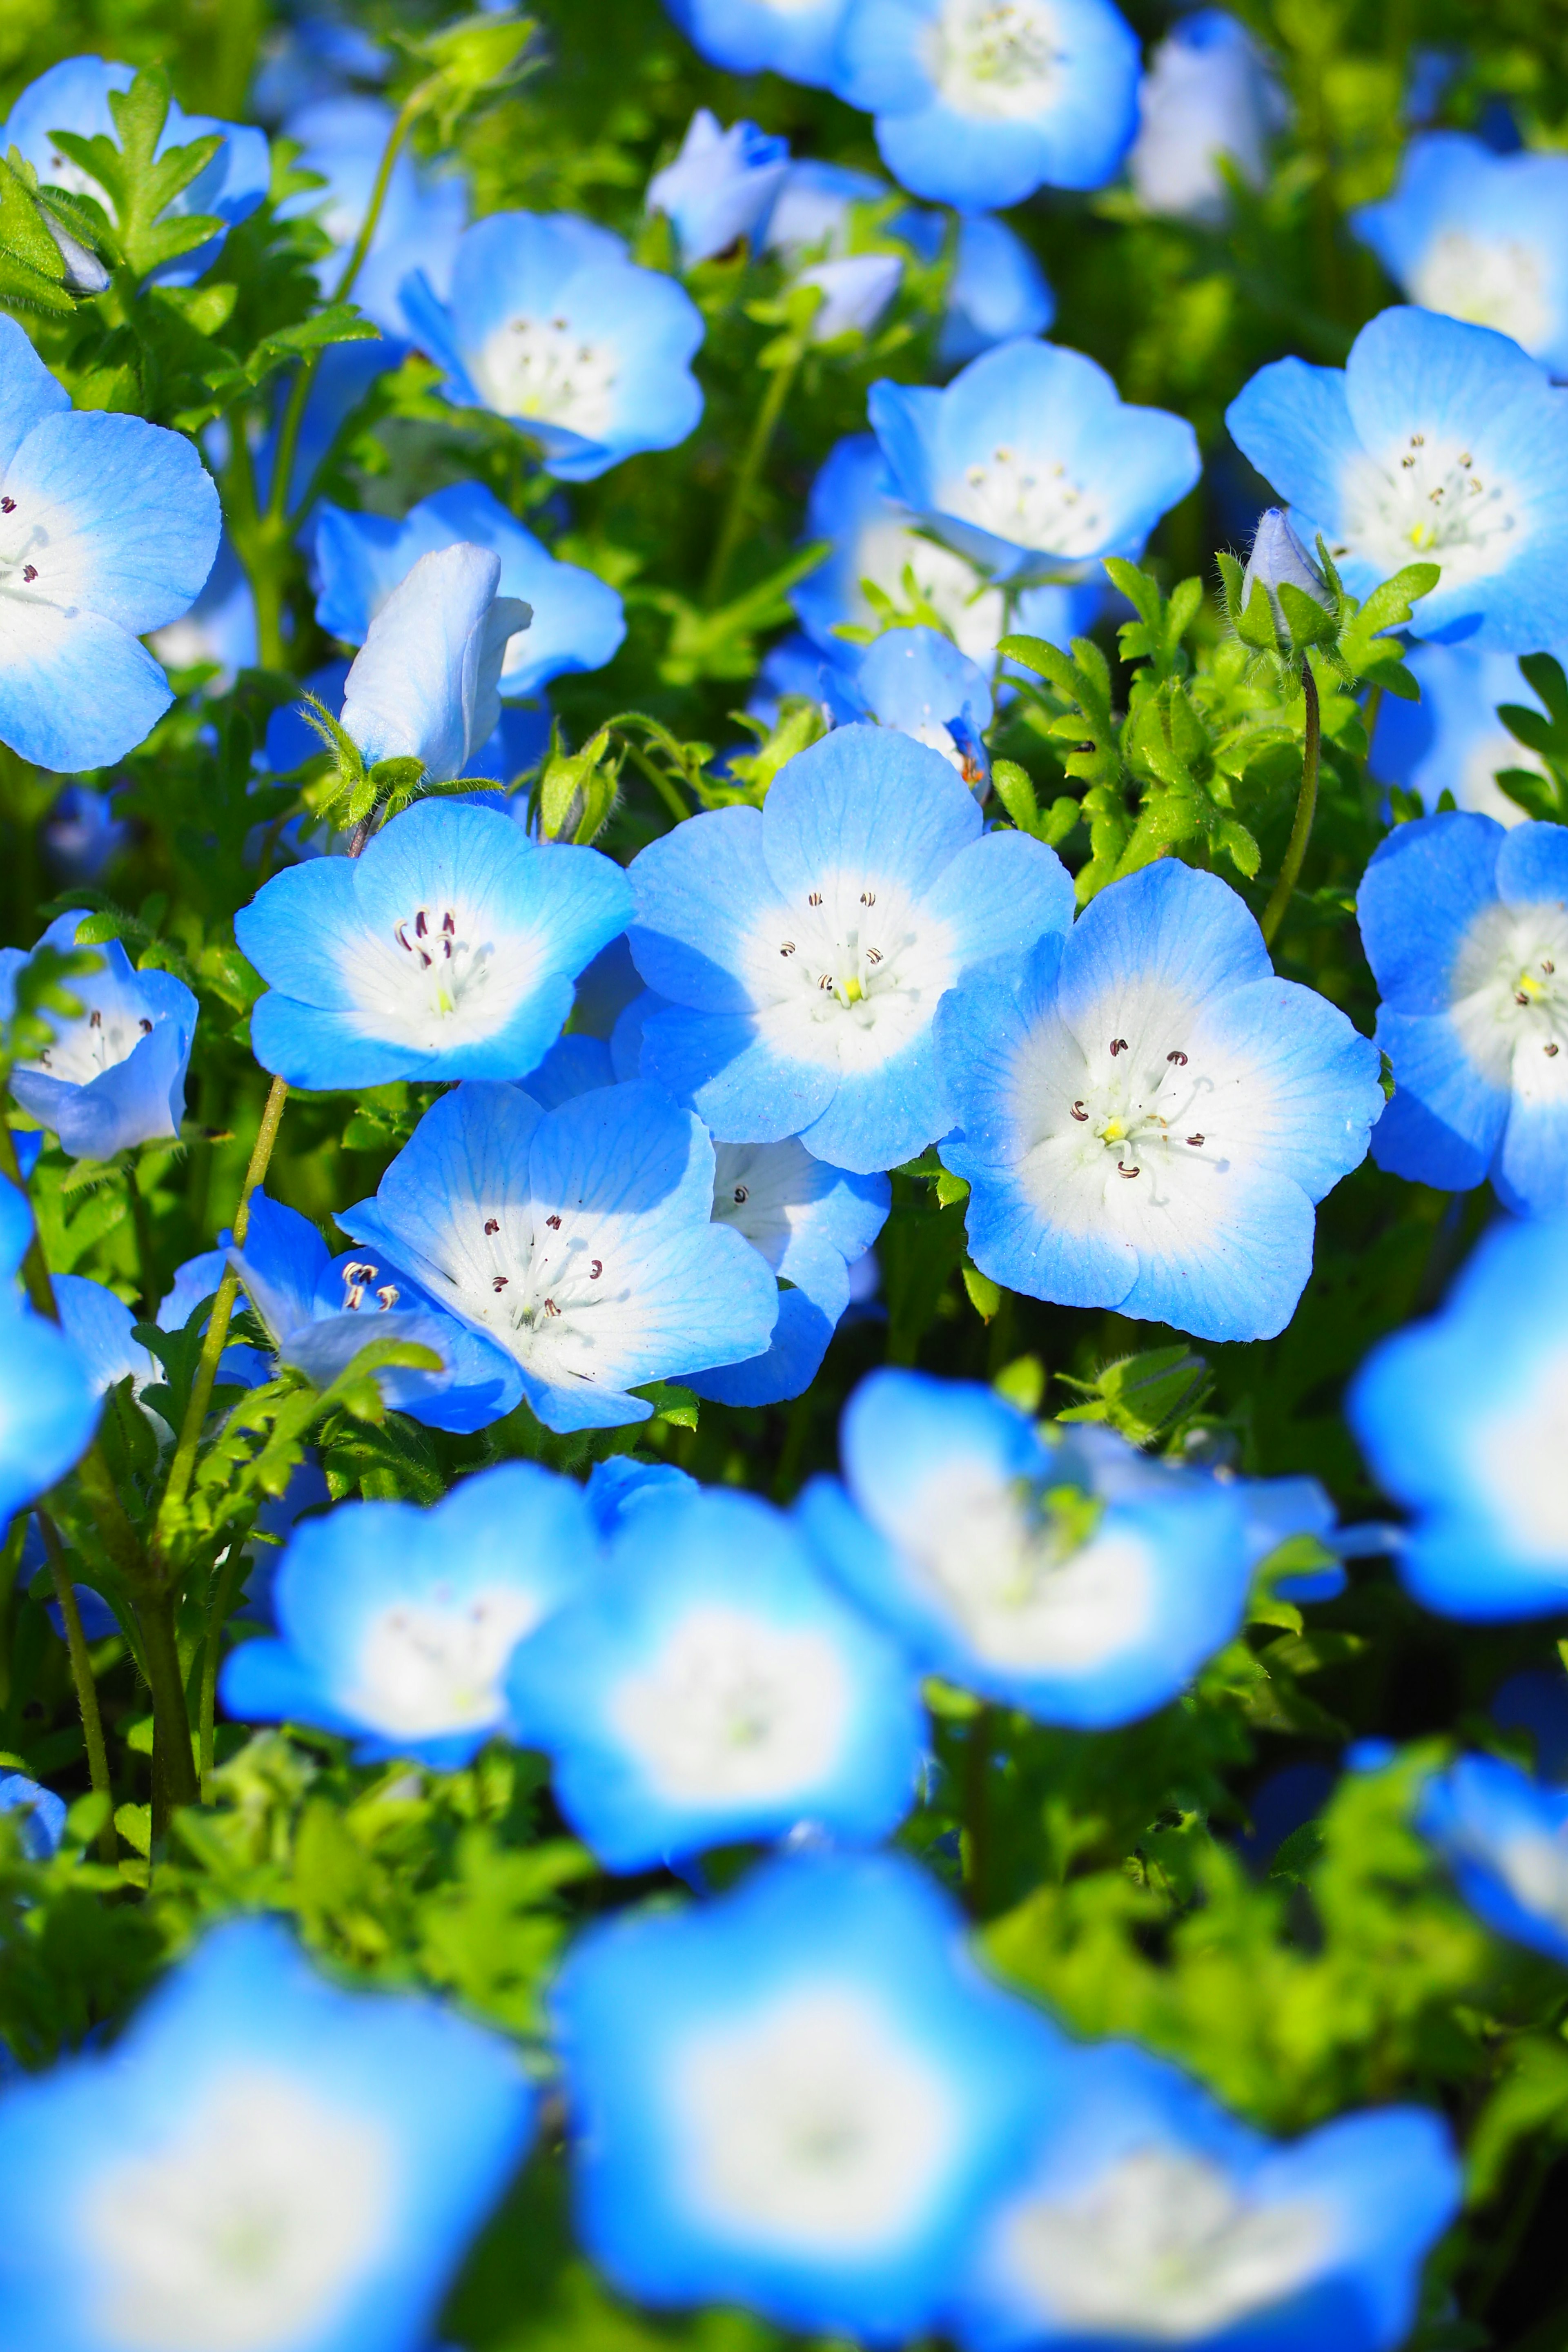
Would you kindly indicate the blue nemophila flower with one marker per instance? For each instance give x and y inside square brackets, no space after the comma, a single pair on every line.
[721,187]
[1461,1421]
[107,528]
[710,1685]
[1438,441]
[220,627]
[1063,1576]
[918,681]
[855,291]
[422,218]
[447,951]
[1452,740]
[1506,1839]
[74,95]
[1146,1116]
[802,947]
[396,1626]
[1029,460]
[997,291]
[622,1484]
[359,559]
[40,1815]
[101,1327]
[1465,928]
[425,683]
[1208,94]
[978,104]
[1153,2217]
[261,2160]
[580,1239]
[48,1401]
[1479,235]
[793,37]
[322,1310]
[802,2098]
[115,1074]
[549,323]
[811,214]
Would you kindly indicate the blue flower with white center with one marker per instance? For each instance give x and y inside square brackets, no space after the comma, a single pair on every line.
[980,103]
[425,683]
[74,95]
[1060,1574]
[446,951]
[422,217]
[1149,2216]
[708,1685]
[802,947]
[1029,462]
[1462,1420]
[997,291]
[1208,93]
[1479,235]
[1506,1840]
[360,559]
[1436,442]
[579,1240]
[549,323]
[396,1626]
[115,1074]
[721,187]
[40,1821]
[1465,928]
[1146,1116]
[1452,740]
[802,2098]
[320,1311]
[261,2160]
[918,681]
[792,37]
[107,529]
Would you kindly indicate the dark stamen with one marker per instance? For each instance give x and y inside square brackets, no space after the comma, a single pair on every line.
[1079,1111]
[554,1223]
[492,1224]
[1180,1060]
[1118,1045]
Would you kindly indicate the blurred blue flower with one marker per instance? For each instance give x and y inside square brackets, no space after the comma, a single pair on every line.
[1506,1838]
[918,681]
[425,684]
[1208,93]
[802,2098]
[721,187]
[359,559]
[1029,461]
[580,1239]
[709,1686]
[261,2160]
[1480,237]
[978,105]
[1462,1420]
[396,1626]
[74,95]
[1146,1116]
[811,213]
[346,373]
[1151,2216]
[320,1311]
[792,37]
[1437,442]
[115,1076]
[855,291]
[98,1326]
[422,219]
[42,1814]
[802,947]
[219,628]
[312,54]
[81,835]
[618,1487]
[447,951]
[797,666]
[1465,928]
[107,528]
[549,324]
[1059,1575]
[48,1403]
[1452,740]
[997,291]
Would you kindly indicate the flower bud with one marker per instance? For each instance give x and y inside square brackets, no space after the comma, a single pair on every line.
[720,187]
[855,291]
[1279,560]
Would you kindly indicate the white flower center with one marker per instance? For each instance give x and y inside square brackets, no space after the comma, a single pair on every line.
[969,608]
[996,58]
[1517,1447]
[1163,2246]
[544,368]
[25,566]
[440,977]
[761,1189]
[735,1706]
[551,1286]
[1031,500]
[1509,998]
[248,2229]
[853,973]
[1428,498]
[814,2126]
[435,1664]
[1493,281]
[1534,1869]
[100,1041]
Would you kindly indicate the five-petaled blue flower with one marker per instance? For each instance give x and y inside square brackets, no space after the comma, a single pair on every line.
[1067,1577]
[721,187]
[802,2098]
[1437,442]
[802,947]
[710,1686]
[115,1074]
[1146,1116]
[1465,928]
[549,323]
[1506,1839]
[792,37]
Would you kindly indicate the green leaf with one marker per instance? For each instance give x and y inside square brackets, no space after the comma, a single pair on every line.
[1014,788]
[984,1295]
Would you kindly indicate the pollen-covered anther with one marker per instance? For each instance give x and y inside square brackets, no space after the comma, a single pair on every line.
[553,1222]
[867,897]
[1179,1058]
[740,1195]
[498,1282]
[814,899]
[1549,1051]
[492,1224]
[1079,1111]
[787,948]
[595,1268]
[1124,1169]
[1195,1140]
[551,1308]
[1118,1045]
[388,1294]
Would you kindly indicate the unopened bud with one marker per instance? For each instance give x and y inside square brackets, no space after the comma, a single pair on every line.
[1278,561]
[85,274]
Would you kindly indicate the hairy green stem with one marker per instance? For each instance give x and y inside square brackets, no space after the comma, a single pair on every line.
[1306,808]
[668,790]
[764,425]
[86,1685]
